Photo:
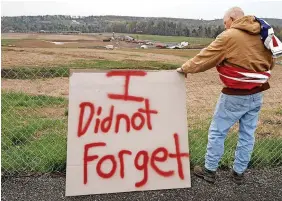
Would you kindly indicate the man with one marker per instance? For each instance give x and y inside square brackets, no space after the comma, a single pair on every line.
[244,66]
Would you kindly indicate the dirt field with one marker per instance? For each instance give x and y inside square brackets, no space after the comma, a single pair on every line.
[54,37]
[48,57]
[51,50]
[203,89]
[91,41]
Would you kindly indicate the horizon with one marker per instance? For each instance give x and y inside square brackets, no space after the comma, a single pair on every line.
[81,16]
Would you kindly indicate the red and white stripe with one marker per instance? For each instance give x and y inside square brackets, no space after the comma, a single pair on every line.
[239,78]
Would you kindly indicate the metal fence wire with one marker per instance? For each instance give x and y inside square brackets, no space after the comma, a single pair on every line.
[35,112]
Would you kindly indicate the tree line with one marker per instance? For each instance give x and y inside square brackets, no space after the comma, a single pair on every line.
[120,24]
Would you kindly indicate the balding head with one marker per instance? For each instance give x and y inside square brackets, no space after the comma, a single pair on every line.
[231,15]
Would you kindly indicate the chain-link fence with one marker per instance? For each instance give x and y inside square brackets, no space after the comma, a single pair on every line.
[35,113]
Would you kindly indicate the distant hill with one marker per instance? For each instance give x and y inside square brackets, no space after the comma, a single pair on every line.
[119,24]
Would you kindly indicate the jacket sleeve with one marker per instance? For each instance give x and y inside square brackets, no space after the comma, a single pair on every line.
[209,57]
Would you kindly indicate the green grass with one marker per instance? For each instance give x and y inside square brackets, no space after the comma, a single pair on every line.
[32,142]
[35,142]
[6,42]
[267,151]
[63,70]
[24,100]
[177,39]
[279,111]
[125,64]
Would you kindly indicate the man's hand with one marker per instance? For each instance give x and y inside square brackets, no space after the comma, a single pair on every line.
[180,70]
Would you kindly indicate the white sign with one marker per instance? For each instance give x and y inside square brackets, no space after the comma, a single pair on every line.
[127,131]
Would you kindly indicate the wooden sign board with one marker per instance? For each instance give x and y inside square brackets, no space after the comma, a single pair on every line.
[127,131]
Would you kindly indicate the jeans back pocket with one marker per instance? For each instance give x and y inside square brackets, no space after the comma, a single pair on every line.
[237,103]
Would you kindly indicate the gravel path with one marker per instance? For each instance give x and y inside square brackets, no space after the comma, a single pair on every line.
[260,185]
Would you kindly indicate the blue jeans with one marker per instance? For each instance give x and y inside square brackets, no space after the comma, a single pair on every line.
[229,110]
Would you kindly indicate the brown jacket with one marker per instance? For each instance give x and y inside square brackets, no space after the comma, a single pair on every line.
[239,46]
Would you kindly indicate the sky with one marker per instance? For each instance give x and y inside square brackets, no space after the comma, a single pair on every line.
[197,9]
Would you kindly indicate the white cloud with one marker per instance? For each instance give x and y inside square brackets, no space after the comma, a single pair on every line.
[148,8]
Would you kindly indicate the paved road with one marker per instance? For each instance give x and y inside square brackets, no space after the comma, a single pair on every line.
[260,185]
